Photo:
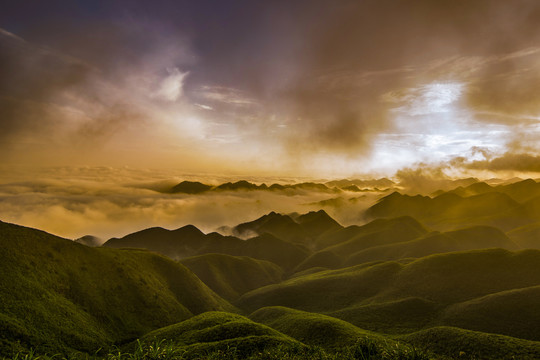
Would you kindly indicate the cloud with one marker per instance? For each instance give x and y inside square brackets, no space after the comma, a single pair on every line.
[520,162]
[171,87]
[106,202]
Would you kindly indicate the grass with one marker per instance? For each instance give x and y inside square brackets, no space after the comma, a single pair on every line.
[311,328]
[231,276]
[477,237]
[59,296]
[396,297]
[465,344]
[363,349]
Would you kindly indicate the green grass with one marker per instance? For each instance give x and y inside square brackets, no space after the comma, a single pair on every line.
[232,276]
[363,349]
[477,237]
[465,344]
[60,296]
[311,328]
[514,313]
[396,297]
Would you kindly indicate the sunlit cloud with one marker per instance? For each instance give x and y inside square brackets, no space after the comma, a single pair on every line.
[171,87]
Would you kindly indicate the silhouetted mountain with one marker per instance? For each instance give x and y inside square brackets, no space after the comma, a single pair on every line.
[304,230]
[448,209]
[190,187]
[380,183]
[89,240]
[240,185]
[189,241]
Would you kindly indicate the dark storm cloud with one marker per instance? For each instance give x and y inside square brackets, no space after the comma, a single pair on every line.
[312,74]
[509,162]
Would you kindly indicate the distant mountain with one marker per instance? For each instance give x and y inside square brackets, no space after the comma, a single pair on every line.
[305,229]
[189,241]
[373,183]
[478,237]
[58,295]
[449,210]
[196,187]
[190,187]
[240,185]
[89,240]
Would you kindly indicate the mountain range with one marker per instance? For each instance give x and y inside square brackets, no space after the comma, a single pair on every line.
[455,275]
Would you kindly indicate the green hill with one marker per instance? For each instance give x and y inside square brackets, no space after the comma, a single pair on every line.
[189,241]
[376,232]
[58,295]
[311,328]
[493,313]
[448,211]
[410,293]
[214,331]
[527,237]
[399,316]
[465,344]
[232,276]
[478,237]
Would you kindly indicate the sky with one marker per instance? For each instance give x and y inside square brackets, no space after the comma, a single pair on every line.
[316,88]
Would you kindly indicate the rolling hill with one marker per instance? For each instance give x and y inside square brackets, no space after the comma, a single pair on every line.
[231,276]
[59,295]
[418,290]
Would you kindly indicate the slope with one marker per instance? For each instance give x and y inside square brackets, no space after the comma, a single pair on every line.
[477,237]
[56,294]
[419,288]
[214,331]
[232,276]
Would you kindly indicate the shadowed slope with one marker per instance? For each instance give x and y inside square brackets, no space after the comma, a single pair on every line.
[430,283]
[478,237]
[232,276]
[449,210]
[305,229]
[59,295]
[493,313]
[377,232]
[459,343]
[190,241]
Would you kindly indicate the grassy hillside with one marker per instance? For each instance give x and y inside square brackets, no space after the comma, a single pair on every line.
[527,237]
[311,328]
[397,297]
[189,241]
[381,233]
[214,331]
[449,210]
[493,313]
[377,232]
[478,237]
[465,344]
[232,276]
[59,295]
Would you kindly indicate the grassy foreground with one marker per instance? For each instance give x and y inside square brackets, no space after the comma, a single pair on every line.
[364,349]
